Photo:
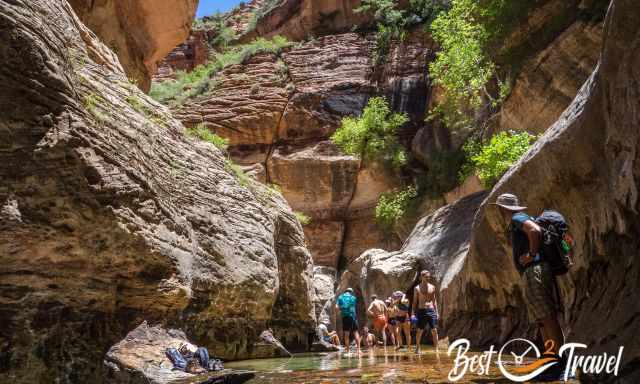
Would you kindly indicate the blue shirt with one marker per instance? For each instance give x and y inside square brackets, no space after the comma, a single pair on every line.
[347,304]
[519,239]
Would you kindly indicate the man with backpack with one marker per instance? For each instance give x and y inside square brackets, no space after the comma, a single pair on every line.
[535,243]
[346,304]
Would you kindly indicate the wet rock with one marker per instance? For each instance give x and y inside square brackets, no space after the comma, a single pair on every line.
[599,198]
[122,217]
[140,358]
[324,282]
[141,32]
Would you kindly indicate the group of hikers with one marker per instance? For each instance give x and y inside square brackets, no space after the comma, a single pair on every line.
[391,319]
[541,250]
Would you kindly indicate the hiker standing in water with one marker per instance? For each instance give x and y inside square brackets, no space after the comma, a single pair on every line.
[540,289]
[377,311]
[403,323]
[346,304]
[425,309]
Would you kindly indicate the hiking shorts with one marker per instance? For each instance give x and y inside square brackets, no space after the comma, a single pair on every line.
[427,316]
[349,324]
[540,291]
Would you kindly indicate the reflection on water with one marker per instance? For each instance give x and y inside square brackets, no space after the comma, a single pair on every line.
[380,366]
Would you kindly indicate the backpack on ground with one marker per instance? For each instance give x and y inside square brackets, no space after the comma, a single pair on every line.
[556,245]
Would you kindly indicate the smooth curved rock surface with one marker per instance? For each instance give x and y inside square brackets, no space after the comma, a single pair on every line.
[141,32]
[110,215]
[585,166]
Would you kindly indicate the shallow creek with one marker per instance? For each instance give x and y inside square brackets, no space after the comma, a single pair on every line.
[379,366]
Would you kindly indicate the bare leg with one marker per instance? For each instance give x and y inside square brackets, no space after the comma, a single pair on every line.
[406,327]
[357,336]
[384,336]
[346,341]
[418,338]
[434,337]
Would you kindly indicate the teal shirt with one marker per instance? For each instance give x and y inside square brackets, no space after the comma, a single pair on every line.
[347,304]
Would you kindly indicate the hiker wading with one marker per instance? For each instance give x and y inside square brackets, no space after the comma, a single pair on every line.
[425,309]
[540,289]
[346,304]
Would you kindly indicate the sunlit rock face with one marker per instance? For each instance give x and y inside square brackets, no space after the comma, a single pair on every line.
[140,32]
[111,215]
[301,19]
[585,166]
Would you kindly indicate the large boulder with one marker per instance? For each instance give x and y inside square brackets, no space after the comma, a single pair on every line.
[111,215]
[439,243]
[585,166]
[141,358]
[140,32]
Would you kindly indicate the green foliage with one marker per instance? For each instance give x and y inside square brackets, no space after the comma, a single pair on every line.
[392,206]
[302,218]
[200,80]
[373,135]
[91,104]
[393,23]
[217,26]
[493,159]
[465,63]
[233,168]
[203,133]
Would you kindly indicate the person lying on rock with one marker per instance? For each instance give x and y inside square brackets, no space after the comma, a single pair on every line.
[540,289]
[425,309]
[401,305]
[377,311]
[191,359]
[346,305]
[325,336]
[370,339]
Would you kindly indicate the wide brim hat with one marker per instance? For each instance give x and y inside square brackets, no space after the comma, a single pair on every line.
[509,202]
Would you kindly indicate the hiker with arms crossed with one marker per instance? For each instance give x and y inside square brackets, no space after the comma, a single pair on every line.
[346,305]
[425,309]
[536,271]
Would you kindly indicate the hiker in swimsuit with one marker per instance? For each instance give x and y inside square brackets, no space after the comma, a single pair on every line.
[377,311]
[391,320]
[401,304]
[425,309]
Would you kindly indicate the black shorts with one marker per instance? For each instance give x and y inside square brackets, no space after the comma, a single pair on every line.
[427,316]
[349,324]
[401,319]
[392,321]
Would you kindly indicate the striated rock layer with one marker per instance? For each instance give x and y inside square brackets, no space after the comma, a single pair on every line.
[140,32]
[110,215]
[585,166]
[280,112]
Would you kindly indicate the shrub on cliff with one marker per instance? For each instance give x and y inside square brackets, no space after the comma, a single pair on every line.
[373,134]
[491,160]
[469,35]
[392,206]
[199,81]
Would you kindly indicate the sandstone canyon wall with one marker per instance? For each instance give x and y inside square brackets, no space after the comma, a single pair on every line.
[586,166]
[140,32]
[110,215]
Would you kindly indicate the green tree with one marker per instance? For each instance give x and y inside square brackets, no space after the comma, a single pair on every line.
[373,134]
[493,159]
[392,206]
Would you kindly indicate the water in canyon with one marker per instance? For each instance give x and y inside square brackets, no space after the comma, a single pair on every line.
[377,366]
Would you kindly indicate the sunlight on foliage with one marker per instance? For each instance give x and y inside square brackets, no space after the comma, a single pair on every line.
[490,161]
[203,133]
[392,206]
[200,80]
[373,134]
[302,218]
